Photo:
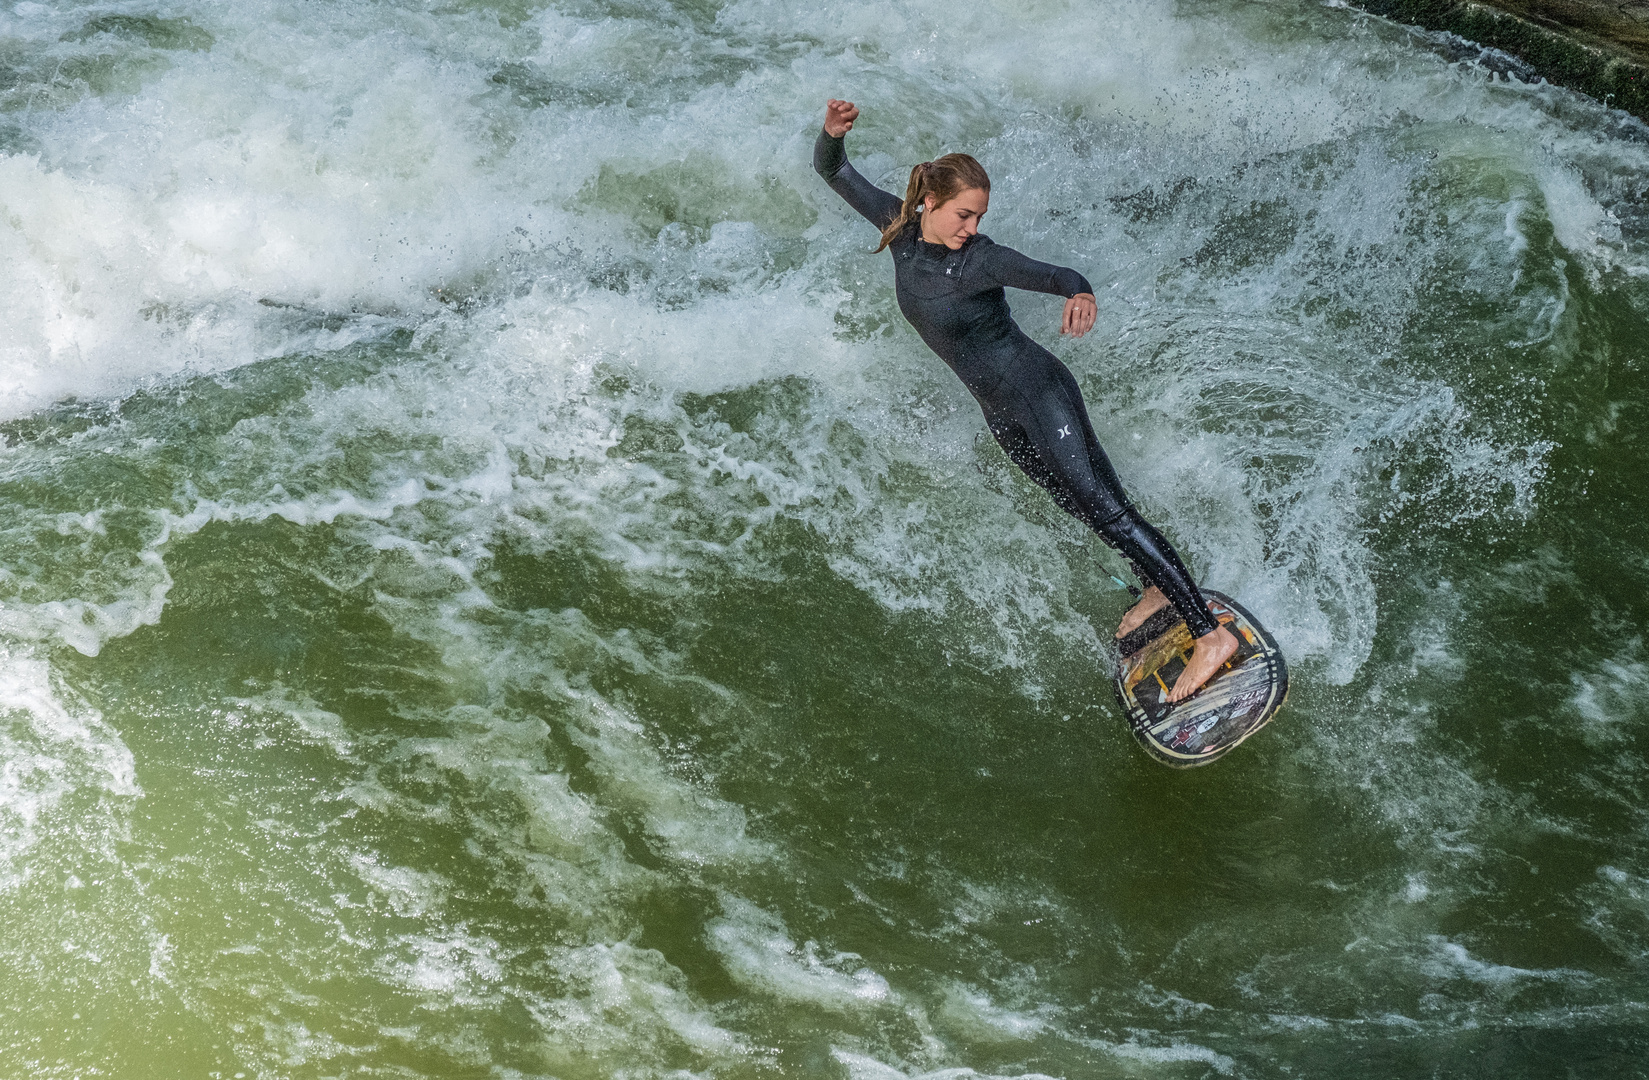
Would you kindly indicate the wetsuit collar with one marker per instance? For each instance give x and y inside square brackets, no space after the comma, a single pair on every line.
[938,251]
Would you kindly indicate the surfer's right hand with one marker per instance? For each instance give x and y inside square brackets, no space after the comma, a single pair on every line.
[839,117]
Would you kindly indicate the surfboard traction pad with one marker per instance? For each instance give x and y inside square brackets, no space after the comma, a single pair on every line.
[1239,700]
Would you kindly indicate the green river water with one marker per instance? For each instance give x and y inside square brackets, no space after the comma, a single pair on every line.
[491,587]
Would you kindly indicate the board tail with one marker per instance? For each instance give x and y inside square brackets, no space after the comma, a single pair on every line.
[1241,698]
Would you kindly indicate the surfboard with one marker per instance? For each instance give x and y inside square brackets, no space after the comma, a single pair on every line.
[1239,700]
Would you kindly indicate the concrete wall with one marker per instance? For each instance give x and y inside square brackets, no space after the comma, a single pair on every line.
[1599,47]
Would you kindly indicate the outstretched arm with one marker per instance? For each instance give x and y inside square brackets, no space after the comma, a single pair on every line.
[830,161]
[1008,267]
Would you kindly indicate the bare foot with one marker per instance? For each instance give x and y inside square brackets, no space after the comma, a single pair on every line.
[1211,651]
[1149,604]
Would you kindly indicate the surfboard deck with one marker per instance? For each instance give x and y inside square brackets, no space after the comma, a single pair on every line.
[1239,700]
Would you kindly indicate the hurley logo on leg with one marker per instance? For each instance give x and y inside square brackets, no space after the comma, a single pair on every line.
[1064,431]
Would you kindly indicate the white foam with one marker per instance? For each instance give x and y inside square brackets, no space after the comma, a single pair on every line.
[971,1012]
[690,824]
[1618,903]
[627,1005]
[1609,701]
[312,723]
[1174,1052]
[865,1067]
[453,968]
[85,625]
[1579,222]
[410,893]
[49,752]
[757,951]
[1449,959]
[144,246]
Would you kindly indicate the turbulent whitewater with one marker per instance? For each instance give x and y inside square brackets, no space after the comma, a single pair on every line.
[491,587]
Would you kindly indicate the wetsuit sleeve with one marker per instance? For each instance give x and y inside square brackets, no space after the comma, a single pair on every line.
[830,161]
[1005,266]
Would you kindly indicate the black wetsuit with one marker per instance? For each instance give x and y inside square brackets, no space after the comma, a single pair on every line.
[955,300]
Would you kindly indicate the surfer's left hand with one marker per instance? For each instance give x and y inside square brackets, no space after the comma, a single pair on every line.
[1080,312]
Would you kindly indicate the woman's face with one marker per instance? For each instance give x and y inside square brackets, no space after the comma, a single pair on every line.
[954,222]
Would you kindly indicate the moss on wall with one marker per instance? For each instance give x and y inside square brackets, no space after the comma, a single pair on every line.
[1599,47]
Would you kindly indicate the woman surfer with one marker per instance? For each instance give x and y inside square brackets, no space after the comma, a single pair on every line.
[949,280]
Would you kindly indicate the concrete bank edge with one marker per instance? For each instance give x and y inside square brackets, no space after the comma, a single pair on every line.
[1556,54]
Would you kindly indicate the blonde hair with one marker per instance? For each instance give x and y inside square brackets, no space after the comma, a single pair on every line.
[941,179]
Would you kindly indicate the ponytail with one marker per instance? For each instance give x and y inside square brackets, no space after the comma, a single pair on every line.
[942,180]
